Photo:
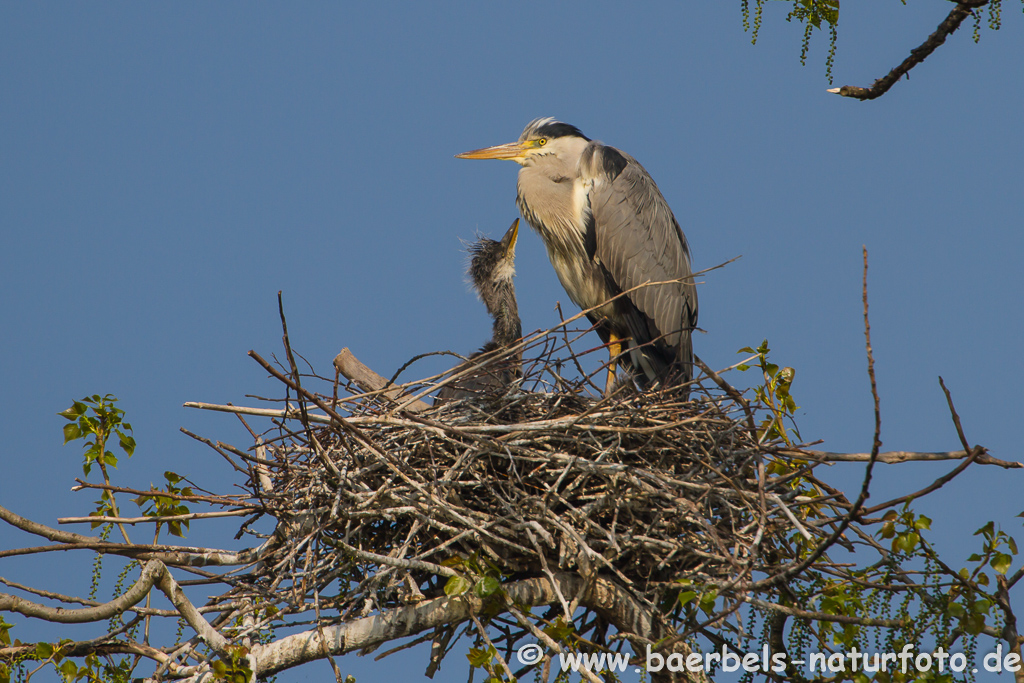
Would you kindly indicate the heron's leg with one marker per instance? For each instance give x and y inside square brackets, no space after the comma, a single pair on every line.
[614,349]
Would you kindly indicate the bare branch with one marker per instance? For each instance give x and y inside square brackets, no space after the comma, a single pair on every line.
[151,574]
[604,596]
[154,573]
[153,519]
[370,382]
[951,23]
[897,457]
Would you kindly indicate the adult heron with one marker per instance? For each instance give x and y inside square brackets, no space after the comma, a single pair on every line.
[608,230]
[491,269]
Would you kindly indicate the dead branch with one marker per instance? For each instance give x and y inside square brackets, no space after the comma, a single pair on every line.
[897,457]
[154,518]
[370,382]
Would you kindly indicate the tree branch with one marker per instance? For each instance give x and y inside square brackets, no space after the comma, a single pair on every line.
[151,573]
[951,23]
[897,457]
[603,596]
[154,573]
[369,381]
[171,555]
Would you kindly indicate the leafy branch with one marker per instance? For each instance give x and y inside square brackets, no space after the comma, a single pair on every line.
[97,419]
[774,395]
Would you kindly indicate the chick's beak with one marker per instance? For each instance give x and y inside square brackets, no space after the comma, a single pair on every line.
[508,242]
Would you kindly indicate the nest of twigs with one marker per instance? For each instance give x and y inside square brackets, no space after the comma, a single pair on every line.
[643,487]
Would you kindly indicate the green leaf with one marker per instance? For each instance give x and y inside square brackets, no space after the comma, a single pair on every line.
[44,651]
[974,623]
[831,606]
[69,669]
[559,631]
[1001,563]
[907,541]
[457,585]
[479,657]
[686,597]
[72,432]
[127,443]
[707,602]
[487,586]
[88,424]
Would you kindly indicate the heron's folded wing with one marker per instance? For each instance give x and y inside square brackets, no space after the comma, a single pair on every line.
[638,240]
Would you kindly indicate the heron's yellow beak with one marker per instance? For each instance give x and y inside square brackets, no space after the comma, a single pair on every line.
[512,150]
[508,242]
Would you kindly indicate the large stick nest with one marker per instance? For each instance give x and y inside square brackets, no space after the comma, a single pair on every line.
[646,489]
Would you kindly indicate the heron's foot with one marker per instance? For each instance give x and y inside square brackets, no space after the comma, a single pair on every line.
[614,349]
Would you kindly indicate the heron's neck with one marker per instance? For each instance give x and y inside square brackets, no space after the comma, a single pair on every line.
[507,327]
[553,200]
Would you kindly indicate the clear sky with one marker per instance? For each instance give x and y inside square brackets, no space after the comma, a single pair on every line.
[165,169]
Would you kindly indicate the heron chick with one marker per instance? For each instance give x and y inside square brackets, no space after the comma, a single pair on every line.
[608,232]
[491,270]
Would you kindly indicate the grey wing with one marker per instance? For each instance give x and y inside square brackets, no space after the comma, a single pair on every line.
[638,240]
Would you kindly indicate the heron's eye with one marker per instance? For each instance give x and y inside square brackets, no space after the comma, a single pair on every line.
[542,142]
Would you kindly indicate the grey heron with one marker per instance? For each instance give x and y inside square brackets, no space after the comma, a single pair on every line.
[491,269]
[608,229]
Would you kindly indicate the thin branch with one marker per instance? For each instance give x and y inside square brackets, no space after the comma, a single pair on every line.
[235,501]
[823,616]
[897,457]
[146,520]
[951,23]
[934,486]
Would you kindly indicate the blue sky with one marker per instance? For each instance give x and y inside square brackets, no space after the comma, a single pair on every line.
[166,169]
